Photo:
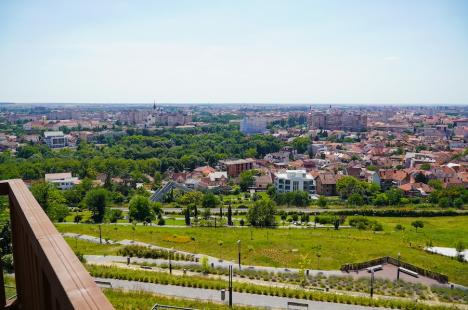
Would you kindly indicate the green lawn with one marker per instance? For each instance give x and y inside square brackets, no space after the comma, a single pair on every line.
[90,248]
[287,247]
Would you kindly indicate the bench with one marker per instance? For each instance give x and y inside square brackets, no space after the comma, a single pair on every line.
[408,272]
[146,267]
[374,268]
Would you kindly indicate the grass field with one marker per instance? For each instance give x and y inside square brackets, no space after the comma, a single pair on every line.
[289,247]
[90,248]
[143,301]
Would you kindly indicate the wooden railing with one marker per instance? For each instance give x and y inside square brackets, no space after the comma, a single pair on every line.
[48,274]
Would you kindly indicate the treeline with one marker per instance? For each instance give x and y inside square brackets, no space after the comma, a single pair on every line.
[139,152]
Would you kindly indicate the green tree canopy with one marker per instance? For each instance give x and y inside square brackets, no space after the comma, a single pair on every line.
[140,209]
[97,200]
[262,213]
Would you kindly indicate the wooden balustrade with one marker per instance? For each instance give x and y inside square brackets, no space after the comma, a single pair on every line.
[48,274]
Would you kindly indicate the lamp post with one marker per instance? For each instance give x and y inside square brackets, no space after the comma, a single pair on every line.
[170,261]
[239,252]
[398,269]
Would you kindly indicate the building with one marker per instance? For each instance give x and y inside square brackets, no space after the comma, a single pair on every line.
[55,139]
[63,180]
[338,120]
[236,167]
[415,159]
[253,125]
[326,184]
[294,180]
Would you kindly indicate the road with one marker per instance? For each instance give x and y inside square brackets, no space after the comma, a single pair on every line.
[269,302]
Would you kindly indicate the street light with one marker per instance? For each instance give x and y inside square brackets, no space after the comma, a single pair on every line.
[239,252]
[170,262]
[398,269]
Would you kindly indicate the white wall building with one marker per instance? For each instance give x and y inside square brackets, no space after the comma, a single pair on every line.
[294,180]
[55,139]
[62,180]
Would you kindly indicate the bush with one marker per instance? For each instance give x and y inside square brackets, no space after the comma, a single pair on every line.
[364,223]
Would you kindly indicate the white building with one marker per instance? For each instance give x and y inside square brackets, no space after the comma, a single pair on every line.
[55,139]
[62,180]
[294,180]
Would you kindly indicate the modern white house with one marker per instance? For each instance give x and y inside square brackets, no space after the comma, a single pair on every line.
[63,180]
[55,139]
[294,180]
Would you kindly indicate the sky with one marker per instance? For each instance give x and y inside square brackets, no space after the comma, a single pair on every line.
[243,51]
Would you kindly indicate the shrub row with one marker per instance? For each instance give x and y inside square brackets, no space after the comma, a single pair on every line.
[199,282]
[148,252]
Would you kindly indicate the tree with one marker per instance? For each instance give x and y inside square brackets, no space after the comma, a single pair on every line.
[301,144]
[5,239]
[381,199]
[394,196]
[210,200]
[460,248]
[262,213]
[347,185]
[229,215]
[322,202]
[420,178]
[189,198]
[435,183]
[355,199]
[97,201]
[139,209]
[246,179]
[336,223]
[115,215]
[51,200]
[187,216]
[206,213]
[425,166]
[417,224]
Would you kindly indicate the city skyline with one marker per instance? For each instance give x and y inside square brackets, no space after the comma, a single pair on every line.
[255,52]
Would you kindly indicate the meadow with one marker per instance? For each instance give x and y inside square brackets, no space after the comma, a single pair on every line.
[316,248]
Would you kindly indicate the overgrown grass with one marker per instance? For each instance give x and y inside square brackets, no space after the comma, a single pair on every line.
[288,247]
[143,301]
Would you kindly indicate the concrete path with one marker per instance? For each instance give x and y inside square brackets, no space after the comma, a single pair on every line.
[268,302]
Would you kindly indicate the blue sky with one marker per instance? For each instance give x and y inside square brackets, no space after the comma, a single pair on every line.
[377,51]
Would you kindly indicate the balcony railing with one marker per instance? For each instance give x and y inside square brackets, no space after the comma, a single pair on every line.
[48,274]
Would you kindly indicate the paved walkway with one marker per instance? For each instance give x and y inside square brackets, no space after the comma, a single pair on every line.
[268,302]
